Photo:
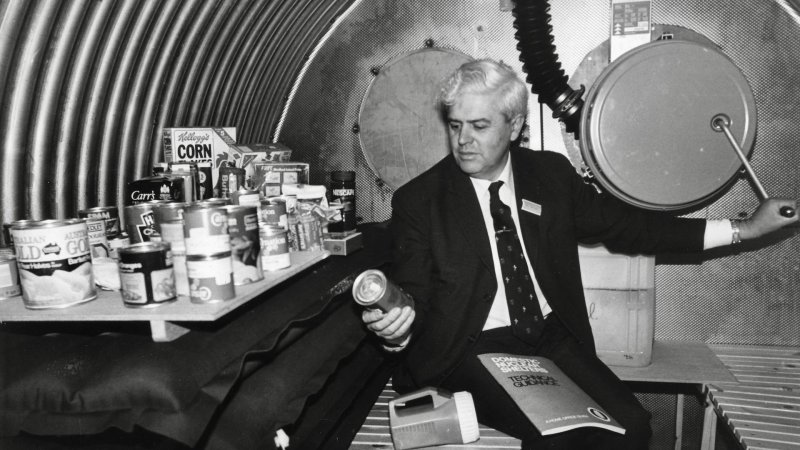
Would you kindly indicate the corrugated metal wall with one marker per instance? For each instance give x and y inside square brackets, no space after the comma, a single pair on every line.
[87,86]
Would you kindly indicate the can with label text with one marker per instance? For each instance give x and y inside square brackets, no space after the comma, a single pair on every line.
[373,290]
[274,247]
[273,212]
[245,197]
[98,240]
[146,276]
[140,223]
[117,242]
[245,243]
[55,263]
[205,229]
[108,213]
[210,277]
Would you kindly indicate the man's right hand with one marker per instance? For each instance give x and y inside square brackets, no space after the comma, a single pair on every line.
[394,327]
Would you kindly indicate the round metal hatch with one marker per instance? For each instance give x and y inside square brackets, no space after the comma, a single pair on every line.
[401,129]
[646,129]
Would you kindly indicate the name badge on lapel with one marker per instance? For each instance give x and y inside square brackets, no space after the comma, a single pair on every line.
[531,207]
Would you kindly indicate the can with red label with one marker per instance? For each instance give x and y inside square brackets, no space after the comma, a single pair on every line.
[205,229]
[108,213]
[274,247]
[373,290]
[146,275]
[55,263]
[140,223]
[210,277]
[245,243]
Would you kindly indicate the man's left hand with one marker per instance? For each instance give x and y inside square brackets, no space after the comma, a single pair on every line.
[767,218]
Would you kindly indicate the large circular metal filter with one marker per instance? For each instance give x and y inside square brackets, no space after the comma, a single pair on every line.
[402,132]
[646,126]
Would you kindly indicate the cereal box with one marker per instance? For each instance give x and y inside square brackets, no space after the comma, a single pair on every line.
[268,177]
[247,156]
[200,145]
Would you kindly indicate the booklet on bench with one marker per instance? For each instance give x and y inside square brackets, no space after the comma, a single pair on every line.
[550,400]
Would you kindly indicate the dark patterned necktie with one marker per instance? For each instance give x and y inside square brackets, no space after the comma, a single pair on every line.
[523,305]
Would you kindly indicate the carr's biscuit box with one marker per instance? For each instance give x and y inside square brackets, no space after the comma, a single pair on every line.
[200,145]
[270,176]
[247,156]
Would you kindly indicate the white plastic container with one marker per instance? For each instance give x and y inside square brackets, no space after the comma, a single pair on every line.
[620,298]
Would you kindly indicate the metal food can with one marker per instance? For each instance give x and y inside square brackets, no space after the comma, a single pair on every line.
[205,229]
[189,193]
[117,242]
[181,276]
[245,197]
[146,275]
[214,201]
[172,232]
[273,212]
[194,174]
[373,290]
[245,244]
[163,212]
[7,238]
[140,223]
[98,240]
[55,263]
[274,247]
[210,277]
[108,213]
[9,277]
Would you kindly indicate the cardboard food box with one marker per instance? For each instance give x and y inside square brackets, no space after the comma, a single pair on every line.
[247,156]
[200,145]
[268,177]
[155,188]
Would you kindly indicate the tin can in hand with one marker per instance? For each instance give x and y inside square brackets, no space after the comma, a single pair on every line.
[373,290]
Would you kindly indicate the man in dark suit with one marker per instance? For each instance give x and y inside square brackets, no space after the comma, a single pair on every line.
[448,225]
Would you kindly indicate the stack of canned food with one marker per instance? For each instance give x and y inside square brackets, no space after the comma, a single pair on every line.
[201,249]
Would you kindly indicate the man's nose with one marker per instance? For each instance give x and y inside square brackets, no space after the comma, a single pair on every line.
[464,136]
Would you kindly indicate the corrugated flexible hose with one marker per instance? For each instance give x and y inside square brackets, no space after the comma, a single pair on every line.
[540,62]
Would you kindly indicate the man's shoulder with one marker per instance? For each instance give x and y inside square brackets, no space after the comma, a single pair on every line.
[544,162]
[428,179]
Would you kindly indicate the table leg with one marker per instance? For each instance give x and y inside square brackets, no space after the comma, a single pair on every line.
[679,422]
[709,425]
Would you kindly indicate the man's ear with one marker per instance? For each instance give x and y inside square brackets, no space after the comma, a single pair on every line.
[516,126]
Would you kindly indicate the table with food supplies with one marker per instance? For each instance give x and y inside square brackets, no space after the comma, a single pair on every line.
[283,353]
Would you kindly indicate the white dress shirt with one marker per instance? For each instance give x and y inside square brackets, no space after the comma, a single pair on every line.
[718,233]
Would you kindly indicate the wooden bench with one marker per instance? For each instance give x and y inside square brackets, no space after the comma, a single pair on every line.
[762,407]
[690,366]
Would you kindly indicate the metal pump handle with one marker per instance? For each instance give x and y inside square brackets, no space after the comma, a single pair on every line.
[722,122]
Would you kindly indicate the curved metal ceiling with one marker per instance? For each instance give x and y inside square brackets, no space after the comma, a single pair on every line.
[88,85]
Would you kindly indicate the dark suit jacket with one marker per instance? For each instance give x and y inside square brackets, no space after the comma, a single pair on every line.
[442,257]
